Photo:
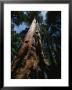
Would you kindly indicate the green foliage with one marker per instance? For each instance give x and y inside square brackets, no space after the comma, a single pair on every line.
[50,43]
[18,17]
[50,31]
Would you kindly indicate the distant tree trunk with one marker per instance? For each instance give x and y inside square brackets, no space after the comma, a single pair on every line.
[30,52]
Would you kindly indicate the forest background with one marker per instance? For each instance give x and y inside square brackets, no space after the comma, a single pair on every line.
[50,31]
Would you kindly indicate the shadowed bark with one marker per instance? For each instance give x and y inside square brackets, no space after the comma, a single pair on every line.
[31,54]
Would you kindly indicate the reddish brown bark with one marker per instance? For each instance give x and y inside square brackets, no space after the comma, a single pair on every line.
[29,53]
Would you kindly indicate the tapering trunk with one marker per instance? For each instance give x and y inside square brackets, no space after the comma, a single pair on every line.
[30,52]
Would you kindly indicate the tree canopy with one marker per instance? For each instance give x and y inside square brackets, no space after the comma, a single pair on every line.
[50,31]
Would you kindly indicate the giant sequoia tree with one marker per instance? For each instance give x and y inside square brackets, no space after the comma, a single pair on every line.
[35,51]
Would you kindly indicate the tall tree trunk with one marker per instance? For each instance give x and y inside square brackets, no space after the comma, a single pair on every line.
[30,52]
